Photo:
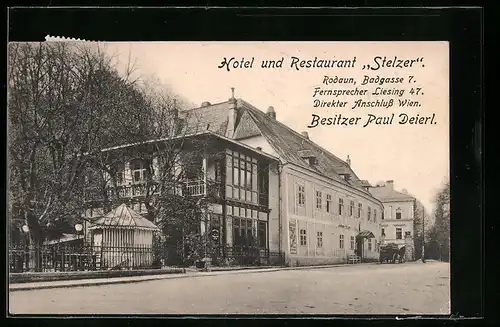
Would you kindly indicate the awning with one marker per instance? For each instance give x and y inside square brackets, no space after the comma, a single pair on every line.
[365,234]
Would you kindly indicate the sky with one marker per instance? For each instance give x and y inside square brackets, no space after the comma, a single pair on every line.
[416,157]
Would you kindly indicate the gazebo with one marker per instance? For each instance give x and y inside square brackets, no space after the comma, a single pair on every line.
[123,238]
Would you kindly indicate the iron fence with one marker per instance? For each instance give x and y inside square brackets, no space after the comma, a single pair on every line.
[64,257]
[51,258]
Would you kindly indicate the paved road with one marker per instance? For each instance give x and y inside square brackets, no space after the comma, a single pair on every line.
[410,288]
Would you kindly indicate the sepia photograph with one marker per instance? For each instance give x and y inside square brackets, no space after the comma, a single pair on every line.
[219,178]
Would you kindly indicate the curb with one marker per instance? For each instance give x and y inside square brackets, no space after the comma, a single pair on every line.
[44,277]
[122,280]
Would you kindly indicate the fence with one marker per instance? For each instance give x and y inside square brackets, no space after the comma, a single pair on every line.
[60,257]
[50,258]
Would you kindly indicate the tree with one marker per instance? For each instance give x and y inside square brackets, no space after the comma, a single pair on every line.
[439,235]
[60,98]
[70,113]
[420,216]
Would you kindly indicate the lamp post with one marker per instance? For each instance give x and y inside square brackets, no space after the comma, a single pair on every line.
[78,228]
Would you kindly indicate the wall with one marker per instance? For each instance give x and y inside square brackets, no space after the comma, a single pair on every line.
[274,206]
[322,223]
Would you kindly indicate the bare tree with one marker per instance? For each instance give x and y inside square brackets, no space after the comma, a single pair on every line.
[439,233]
[60,98]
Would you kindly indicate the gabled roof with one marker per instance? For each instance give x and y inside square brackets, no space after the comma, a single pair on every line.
[213,117]
[291,146]
[123,217]
[246,127]
[387,194]
[288,143]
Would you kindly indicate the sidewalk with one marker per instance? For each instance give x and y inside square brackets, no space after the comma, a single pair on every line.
[190,273]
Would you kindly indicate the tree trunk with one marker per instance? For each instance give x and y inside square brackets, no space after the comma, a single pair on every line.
[37,237]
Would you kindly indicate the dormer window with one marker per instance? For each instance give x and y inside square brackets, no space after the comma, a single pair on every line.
[346,177]
[308,156]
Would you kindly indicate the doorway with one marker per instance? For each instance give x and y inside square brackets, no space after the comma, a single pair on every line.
[359,247]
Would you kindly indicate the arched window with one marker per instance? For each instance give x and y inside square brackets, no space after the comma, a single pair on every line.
[398,213]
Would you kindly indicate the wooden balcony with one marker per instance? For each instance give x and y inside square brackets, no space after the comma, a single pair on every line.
[196,188]
[129,191]
[189,188]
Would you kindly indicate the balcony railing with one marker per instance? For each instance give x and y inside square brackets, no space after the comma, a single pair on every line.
[129,191]
[191,188]
[195,188]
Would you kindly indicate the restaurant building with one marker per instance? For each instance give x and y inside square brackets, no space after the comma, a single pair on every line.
[274,186]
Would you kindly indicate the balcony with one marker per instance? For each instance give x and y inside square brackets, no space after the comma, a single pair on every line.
[195,188]
[190,188]
[129,191]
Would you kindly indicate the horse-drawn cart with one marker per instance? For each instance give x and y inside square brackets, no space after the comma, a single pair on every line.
[392,253]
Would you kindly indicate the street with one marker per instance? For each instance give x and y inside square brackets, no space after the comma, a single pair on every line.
[409,288]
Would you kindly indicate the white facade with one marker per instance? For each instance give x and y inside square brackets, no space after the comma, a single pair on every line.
[397,224]
[316,223]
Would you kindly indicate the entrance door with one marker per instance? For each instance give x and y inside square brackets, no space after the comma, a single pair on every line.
[359,247]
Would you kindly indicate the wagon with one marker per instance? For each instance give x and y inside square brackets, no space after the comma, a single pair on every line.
[391,253]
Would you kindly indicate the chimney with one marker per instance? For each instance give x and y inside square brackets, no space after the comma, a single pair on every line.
[390,184]
[231,115]
[206,104]
[271,113]
[348,160]
[259,148]
[305,134]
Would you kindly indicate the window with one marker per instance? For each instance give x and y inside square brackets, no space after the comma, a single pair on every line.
[301,195]
[352,242]
[242,231]
[319,237]
[369,214]
[360,209]
[407,234]
[319,197]
[328,203]
[341,206]
[375,215]
[351,208]
[399,233]
[341,241]
[369,244]
[303,237]
[120,174]
[398,213]
[243,181]
[382,231]
[138,171]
